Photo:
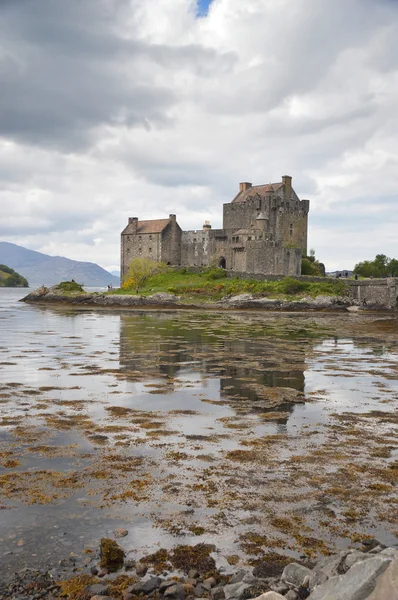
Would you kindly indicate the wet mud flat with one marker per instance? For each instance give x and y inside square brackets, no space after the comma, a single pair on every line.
[262,434]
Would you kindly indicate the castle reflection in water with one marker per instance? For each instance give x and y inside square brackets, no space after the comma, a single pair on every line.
[172,346]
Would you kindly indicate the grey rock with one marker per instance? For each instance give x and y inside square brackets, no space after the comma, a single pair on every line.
[165,584]
[356,584]
[327,567]
[291,595]
[390,552]
[353,557]
[217,593]
[251,579]
[387,584]
[281,588]
[129,564]
[193,574]
[120,532]
[238,577]
[376,549]
[190,581]
[235,590]
[147,586]
[176,592]
[210,581]
[295,574]
[97,589]
[141,569]
[199,591]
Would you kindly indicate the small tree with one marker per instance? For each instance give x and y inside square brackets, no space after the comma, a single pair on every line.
[311,266]
[140,270]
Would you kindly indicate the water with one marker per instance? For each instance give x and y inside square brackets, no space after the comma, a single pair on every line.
[190,427]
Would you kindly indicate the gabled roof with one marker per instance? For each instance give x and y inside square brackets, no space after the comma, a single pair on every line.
[154,226]
[259,190]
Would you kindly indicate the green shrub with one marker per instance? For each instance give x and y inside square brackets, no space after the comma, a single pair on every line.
[213,273]
[291,286]
[69,286]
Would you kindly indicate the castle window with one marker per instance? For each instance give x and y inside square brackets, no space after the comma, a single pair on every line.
[150,250]
[194,239]
[150,237]
[139,250]
[128,250]
[250,238]
[139,237]
[291,229]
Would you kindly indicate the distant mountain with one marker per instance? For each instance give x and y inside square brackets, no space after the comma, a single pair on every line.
[115,273]
[42,269]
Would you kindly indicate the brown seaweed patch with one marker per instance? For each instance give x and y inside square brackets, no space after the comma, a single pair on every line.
[74,588]
[196,557]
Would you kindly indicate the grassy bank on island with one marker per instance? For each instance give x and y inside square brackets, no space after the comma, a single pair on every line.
[212,284]
[10,278]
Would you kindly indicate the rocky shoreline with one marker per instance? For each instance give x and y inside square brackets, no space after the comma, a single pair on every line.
[163,300]
[189,572]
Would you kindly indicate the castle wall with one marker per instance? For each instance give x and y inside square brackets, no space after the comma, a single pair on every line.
[171,243]
[145,245]
[195,248]
[270,259]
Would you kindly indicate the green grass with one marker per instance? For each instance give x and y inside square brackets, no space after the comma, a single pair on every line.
[212,284]
[69,286]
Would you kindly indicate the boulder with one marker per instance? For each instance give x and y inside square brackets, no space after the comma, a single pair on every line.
[356,584]
[387,584]
[146,587]
[175,592]
[238,577]
[217,593]
[235,590]
[353,557]
[294,574]
[390,552]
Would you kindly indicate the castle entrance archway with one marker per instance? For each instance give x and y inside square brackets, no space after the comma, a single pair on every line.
[222,263]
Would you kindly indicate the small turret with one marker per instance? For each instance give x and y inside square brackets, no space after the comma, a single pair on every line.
[262,222]
[206,226]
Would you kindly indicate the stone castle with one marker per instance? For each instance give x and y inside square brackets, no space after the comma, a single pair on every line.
[264,232]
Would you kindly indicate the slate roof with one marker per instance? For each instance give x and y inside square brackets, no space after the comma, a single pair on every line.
[257,190]
[154,226]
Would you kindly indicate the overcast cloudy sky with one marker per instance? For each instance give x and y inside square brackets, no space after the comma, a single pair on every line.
[118,108]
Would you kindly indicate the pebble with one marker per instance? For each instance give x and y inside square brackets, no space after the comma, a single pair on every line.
[120,532]
[141,569]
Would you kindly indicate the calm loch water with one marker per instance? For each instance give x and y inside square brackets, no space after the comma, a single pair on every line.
[257,432]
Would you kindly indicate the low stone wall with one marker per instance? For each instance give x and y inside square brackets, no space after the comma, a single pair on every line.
[375,292]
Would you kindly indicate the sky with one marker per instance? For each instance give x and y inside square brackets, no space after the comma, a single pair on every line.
[117,108]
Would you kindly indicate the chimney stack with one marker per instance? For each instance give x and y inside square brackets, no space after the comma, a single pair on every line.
[287,182]
[206,226]
[172,218]
[134,222]
[245,185]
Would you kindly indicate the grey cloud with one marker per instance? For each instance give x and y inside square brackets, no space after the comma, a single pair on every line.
[64,72]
